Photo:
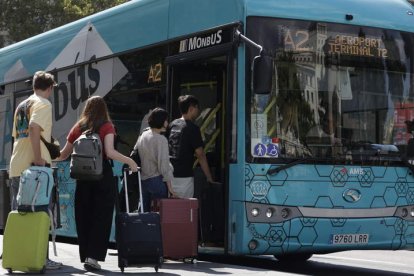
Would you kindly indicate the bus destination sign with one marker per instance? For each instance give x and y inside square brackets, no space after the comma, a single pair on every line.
[357,46]
[303,40]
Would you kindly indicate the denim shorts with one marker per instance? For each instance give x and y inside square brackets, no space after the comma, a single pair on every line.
[153,188]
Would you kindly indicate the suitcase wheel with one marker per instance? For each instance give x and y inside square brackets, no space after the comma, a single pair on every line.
[190,260]
[9,270]
[122,264]
[43,271]
[160,261]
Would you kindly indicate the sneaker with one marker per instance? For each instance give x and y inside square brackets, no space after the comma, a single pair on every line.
[52,264]
[91,264]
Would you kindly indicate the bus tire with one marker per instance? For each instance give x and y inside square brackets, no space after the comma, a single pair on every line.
[293,257]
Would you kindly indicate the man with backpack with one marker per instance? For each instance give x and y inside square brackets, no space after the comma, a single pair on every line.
[30,123]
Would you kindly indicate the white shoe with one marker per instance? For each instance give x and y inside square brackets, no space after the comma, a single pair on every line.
[91,264]
[50,265]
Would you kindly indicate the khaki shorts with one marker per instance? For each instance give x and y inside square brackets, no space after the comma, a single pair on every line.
[183,186]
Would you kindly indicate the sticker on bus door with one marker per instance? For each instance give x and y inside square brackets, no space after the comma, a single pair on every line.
[264,147]
[258,125]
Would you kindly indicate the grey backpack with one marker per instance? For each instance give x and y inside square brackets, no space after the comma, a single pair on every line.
[87,157]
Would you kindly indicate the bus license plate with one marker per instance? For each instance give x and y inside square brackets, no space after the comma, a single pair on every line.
[350,239]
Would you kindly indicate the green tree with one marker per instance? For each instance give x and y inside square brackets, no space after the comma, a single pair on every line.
[76,9]
[21,19]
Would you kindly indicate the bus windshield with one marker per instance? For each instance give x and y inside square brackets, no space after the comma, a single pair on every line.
[338,92]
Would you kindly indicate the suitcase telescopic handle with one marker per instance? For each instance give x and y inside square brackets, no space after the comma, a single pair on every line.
[140,203]
[126,171]
[141,199]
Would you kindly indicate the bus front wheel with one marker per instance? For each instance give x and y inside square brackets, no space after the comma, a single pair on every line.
[293,257]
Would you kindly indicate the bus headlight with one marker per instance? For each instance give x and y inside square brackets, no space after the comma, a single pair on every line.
[269,212]
[285,212]
[255,212]
[252,244]
[404,212]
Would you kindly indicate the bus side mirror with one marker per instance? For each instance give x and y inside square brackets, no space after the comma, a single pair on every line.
[262,72]
[261,67]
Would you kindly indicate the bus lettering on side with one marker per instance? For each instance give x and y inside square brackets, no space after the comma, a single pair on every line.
[196,42]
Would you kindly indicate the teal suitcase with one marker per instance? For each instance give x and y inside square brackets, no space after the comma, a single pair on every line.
[25,242]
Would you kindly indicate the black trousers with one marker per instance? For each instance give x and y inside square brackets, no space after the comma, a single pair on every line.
[94,206]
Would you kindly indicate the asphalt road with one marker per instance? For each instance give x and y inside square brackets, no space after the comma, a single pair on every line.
[354,263]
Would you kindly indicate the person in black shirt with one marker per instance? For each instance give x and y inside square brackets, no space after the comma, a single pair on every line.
[184,139]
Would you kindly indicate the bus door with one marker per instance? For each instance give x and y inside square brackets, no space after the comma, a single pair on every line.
[207,80]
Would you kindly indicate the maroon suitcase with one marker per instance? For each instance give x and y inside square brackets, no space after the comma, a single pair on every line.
[179,228]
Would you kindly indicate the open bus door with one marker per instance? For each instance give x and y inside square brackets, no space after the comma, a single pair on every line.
[207,80]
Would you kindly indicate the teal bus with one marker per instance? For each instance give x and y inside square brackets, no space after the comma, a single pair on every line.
[307,112]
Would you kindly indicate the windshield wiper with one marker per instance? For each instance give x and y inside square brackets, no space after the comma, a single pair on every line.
[286,166]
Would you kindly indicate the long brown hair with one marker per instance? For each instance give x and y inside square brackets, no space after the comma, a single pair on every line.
[94,114]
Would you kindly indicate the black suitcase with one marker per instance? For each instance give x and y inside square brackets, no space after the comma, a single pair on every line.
[138,235]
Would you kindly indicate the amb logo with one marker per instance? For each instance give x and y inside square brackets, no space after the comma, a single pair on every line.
[352,171]
[356,171]
[340,176]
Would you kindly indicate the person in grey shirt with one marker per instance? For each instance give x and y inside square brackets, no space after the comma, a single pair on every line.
[155,161]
